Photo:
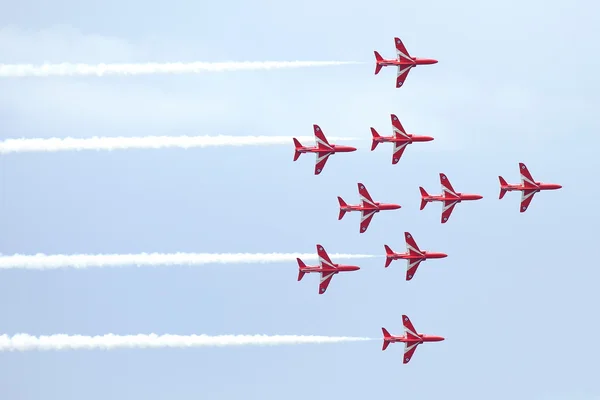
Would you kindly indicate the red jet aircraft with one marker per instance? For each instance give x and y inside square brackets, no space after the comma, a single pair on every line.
[325,267]
[401,139]
[528,187]
[410,338]
[414,256]
[449,196]
[368,207]
[403,60]
[323,149]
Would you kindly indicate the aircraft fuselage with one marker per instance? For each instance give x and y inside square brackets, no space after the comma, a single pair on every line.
[415,62]
[461,197]
[338,268]
[394,139]
[423,338]
[539,186]
[377,208]
[335,149]
[426,255]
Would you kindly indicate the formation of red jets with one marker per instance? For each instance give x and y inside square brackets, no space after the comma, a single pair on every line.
[367,208]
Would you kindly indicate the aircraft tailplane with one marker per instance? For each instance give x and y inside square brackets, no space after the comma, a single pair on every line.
[378,58]
[388,252]
[503,184]
[386,336]
[301,265]
[423,195]
[342,204]
[375,136]
[298,147]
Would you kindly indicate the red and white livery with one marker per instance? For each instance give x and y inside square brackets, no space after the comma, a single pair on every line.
[326,268]
[368,207]
[323,149]
[404,61]
[411,339]
[400,139]
[413,256]
[449,197]
[528,187]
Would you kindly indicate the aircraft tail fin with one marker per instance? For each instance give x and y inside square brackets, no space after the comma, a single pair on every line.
[375,136]
[300,266]
[388,253]
[342,204]
[378,58]
[424,194]
[386,336]
[298,147]
[503,184]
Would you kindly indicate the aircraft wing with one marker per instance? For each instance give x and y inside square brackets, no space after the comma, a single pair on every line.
[399,148]
[447,189]
[526,197]
[411,268]
[364,195]
[409,351]
[401,52]
[322,157]
[411,245]
[324,259]
[365,219]
[447,210]
[403,71]
[398,129]
[320,138]
[325,281]
[526,178]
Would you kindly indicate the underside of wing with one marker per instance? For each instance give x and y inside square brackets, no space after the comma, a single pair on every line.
[322,158]
[403,71]
[411,268]
[365,219]
[526,197]
[399,148]
[325,281]
[409,351]
[447,210]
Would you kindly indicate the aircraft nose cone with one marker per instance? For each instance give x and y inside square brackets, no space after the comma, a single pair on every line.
[443,255]
[428,138]
[350,148]
[478,197]
[559,186]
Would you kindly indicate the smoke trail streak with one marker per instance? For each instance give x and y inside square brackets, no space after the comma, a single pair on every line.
[70,69]
[82,261]
[25,342]
[145,142]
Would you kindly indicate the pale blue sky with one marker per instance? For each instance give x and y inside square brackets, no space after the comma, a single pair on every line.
[516,298]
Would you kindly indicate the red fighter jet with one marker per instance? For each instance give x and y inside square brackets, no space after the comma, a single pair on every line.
[410,338]
[528,187]
[323,149]
[400,139]
[414,256]
[368,207]
[449,197]
[403,60]
[325,267]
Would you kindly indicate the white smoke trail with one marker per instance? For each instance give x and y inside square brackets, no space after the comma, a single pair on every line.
[69,69]
[145,142]
[25,342]
[82,261]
